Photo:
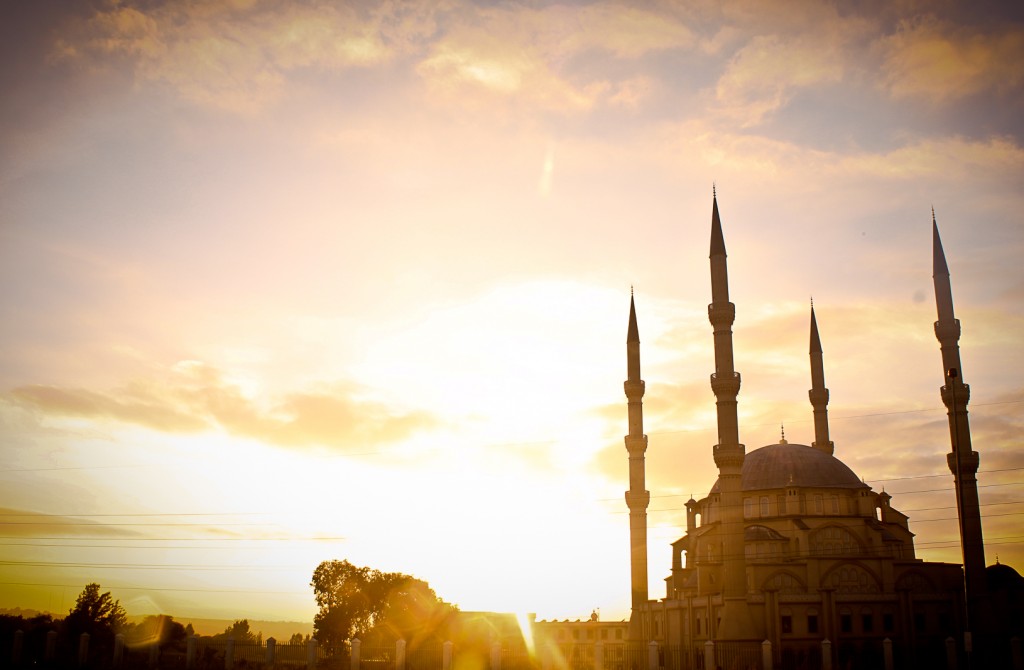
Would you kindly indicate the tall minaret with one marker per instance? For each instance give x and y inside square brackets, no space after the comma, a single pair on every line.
[962,460]
[736,622]
[818,392]
[637,497]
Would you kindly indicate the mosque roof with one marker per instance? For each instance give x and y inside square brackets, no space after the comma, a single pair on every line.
[777,466]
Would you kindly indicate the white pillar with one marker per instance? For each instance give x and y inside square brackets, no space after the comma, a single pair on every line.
[229,653]
[599,655]
[950,653]
[311,654]
[547,656]
[118,650]
[446,655]
[19,637]
[887,653]
[356,646]
[709,655]
[271,651]
[826,654]
[766,655]
[190,651]
[400,655]
[50,655]
[652,656]
[495,655]
[83,650]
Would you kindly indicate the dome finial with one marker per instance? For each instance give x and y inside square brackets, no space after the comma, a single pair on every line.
[782,440]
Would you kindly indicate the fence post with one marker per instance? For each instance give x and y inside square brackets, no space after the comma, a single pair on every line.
[599,655]
[271,651]
[446,655]
[50,655]
[495,655]
[311,654]
[400,655]
[652,656]
[118,650]
[229,653]
[709,655]
[766,655]
[1015,651]
[190,651]
[19,636]
[357,644]
[887,653]
[950,653]
[83,650]
[826,654]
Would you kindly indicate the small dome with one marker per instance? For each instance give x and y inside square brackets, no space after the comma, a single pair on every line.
[780,465]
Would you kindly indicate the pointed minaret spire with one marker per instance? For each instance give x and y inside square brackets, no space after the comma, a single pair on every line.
[962,460]
[818,393]
[729,454]
[637,497]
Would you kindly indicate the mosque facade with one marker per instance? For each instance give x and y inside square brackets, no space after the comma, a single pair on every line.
[789,545]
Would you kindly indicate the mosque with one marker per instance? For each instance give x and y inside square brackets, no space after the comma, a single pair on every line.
[790,545]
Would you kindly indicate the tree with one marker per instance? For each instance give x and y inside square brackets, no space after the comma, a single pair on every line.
[356,602]
[95,613]
[342,594]
[240,631]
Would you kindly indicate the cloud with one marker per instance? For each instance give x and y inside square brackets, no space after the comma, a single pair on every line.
[939,61]
[29,523]
[196,398]
[529,53]
[760,79]
[235,56]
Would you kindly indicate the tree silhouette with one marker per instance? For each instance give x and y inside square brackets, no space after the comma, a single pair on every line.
[360,602]
[97,614]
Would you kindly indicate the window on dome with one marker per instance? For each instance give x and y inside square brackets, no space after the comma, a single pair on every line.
[812,623]
[787,624]
[764,505]
[818,504]
[835,504]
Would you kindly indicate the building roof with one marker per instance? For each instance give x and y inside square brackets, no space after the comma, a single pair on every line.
[777,466]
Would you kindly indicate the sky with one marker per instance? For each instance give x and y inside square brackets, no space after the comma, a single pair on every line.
[291,282]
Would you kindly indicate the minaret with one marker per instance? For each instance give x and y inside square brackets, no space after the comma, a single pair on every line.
[736,622]
[818,393]
[962,460]
[637,497]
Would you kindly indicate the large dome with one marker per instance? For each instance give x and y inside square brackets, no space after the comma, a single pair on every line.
[780,465]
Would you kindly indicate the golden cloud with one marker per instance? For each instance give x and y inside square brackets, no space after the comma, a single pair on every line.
[939,61]
[196,398]
[232,57]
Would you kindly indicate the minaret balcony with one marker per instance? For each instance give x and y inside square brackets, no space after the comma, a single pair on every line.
[946,330]
[721,314]
[963,395]
[968,462]
[638,500]
[727,384]
[634,388]
[818,396]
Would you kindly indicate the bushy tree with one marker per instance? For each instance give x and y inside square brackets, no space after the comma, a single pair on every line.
[240,631]
[360,602]
[95,613]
